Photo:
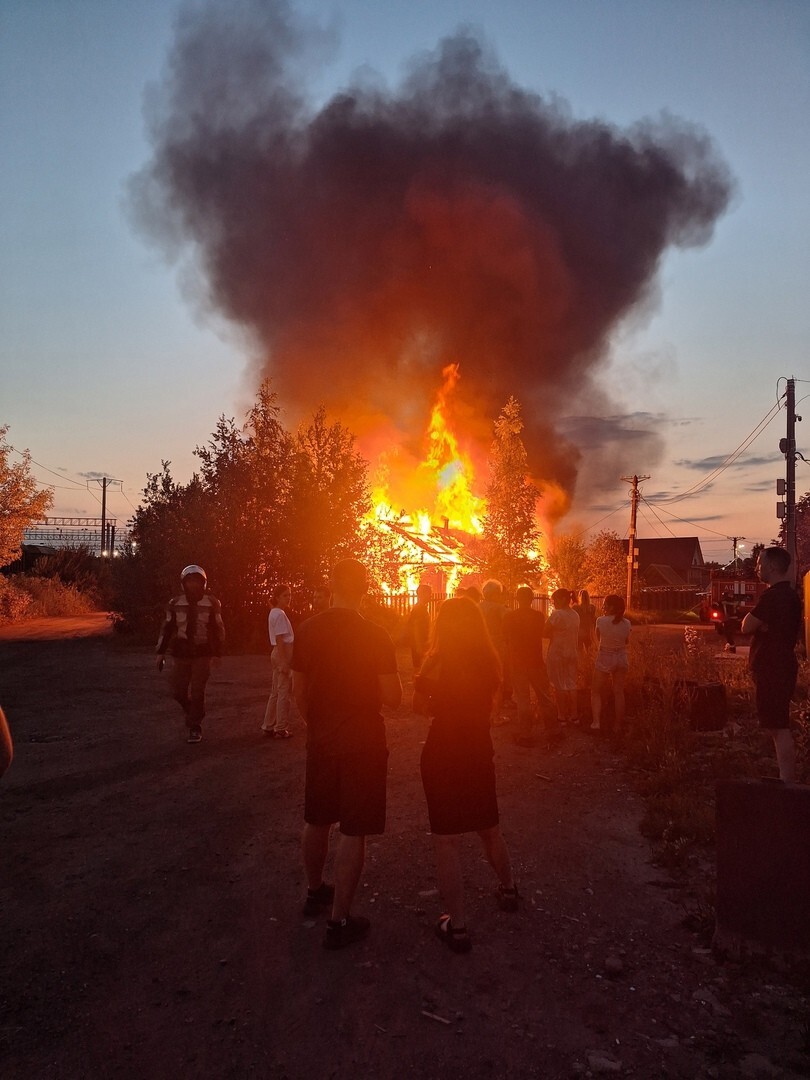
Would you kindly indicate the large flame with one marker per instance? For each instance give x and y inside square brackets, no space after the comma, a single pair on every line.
[443,488]
[437,496]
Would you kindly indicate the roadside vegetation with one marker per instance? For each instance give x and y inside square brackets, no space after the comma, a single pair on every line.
[72,581]
[675,766]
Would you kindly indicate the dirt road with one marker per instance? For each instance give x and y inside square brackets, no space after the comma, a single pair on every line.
[150,898]
[57,628]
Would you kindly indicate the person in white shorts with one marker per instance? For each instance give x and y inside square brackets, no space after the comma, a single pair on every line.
[612,635]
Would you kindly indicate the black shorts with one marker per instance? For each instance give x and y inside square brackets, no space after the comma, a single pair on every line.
[774,689]
[347,788]
[459,783]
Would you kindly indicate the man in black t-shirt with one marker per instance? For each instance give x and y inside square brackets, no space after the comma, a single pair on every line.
[344,671]
[523,634]
[775,623]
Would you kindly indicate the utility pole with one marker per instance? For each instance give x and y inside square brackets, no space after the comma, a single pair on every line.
[788,448]
[105,483]
[734,540]
[631,543]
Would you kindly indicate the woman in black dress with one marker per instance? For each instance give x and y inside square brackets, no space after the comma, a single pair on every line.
[459,679]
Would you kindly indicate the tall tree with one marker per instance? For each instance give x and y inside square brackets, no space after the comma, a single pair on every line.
[20,502]
[247,472]
[606,564]
[510,523]
[172,527]
[329,501]
[566,562]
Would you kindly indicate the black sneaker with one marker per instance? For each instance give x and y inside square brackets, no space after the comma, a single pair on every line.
[194,735]
[345,932]
[318,899]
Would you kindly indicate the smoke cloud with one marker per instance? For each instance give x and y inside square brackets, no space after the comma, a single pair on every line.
[459,219]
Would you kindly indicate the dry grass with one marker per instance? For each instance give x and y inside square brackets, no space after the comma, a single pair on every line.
[676,767]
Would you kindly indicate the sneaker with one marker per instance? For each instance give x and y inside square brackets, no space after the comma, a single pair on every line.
[194,734]
[345,932]
[508,899]
[455,938]
[318,899]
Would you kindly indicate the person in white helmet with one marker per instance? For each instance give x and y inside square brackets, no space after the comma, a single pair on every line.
[194,634]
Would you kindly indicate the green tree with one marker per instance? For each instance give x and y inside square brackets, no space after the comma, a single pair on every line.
[265,507]
[510,523]
[20,502]
[330,498]
[247,474]
[606,564]
[566,562]
[172,527]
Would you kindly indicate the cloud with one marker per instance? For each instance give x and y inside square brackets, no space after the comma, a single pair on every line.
[718,461]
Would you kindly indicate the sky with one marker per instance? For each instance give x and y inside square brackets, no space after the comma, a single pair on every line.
[111,363]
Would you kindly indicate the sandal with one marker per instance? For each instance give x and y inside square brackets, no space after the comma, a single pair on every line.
[508,898]
[455,938]
[282,734]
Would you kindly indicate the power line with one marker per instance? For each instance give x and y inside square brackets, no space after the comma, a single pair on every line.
[663,524]
[39,465]
[700,485]
[576,536]
[687,522]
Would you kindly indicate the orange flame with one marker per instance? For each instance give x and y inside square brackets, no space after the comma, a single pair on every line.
[442,486]
[439,489]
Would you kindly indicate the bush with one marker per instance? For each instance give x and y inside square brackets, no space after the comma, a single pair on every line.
[675,767]
[50,596]
[14,601]
[26,596]
[81,569]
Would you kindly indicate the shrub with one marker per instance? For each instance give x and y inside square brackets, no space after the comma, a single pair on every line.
[50,596]
[14,601]
[675,767]
[81,569]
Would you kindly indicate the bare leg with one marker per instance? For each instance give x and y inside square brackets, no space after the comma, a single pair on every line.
[571,705]
[448,872]
[349,859]
[315,847]
[785,754]
[618,698]
[497,855]
[596,700]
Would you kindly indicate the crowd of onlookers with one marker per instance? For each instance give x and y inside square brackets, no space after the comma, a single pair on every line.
[341,669]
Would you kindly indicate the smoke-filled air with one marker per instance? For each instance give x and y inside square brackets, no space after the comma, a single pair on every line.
[372,241]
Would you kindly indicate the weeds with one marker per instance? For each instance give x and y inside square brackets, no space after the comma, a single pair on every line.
[27,596]
[676,767]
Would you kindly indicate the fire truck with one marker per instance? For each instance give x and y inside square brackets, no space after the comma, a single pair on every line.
[731,595]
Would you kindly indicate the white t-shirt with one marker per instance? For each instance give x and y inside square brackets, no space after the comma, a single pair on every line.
[279,626]
[612,636]
[565,635]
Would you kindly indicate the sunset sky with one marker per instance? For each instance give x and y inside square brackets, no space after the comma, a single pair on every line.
[112,360]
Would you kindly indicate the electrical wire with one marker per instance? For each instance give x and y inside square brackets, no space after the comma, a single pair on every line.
[39,465]
[576,536]
[686,520]
[700,485]
[663,524]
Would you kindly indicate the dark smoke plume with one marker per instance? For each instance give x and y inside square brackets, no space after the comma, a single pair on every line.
[460,219]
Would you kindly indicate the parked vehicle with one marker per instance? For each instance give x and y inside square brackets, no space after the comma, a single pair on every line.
[731,595]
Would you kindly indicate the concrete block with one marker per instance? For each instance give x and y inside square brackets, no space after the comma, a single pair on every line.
[763,868]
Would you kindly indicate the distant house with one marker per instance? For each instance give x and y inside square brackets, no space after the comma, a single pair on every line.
[674,562]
